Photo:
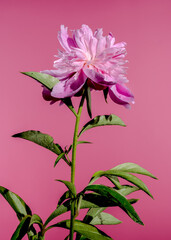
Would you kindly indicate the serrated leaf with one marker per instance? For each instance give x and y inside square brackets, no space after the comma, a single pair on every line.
[70,186]
[105,219]
[87,230]
[22,228]
[41,139]
[17,203]
[103,120]
[47,80]
[115,196]
[133,168]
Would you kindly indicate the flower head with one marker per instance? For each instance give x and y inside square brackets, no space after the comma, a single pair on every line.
[92,58]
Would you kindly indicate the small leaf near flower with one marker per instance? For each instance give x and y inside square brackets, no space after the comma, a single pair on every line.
[103,120]
[46,80]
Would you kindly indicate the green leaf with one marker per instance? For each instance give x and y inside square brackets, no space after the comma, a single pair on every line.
[129,177]
[47,80]
[58,158]
[93,200]
[19,206]
[66,206]
[43,140]
[37,237]
[70,186]
[78,142]
[96,216]
[127,189]
[88,100]
[99,200]
[92,213]
[35,219]
[65,196]
[115,196]
[83,238]
[102,121]
[68,103]
[115,181]
[87,230]
[22,228]
[105,202]
[133,179]
[58,211]
[105,219]
[88,201]
[133,168]
[67,237]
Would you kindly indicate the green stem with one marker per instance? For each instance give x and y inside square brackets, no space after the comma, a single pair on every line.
[73,163]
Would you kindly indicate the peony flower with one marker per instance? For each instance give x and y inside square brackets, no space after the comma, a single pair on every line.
[94,58]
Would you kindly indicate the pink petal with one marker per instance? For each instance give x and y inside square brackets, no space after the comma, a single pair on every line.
[58,74]
[98,33]
[95,86]
[110,40]
[102,79]
[87,32]
[65,41]
[82,37]
[46,93]
[70,86]
[101,43]
[92,47]
[120,94]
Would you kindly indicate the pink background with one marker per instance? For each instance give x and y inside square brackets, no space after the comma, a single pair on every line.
[28,42]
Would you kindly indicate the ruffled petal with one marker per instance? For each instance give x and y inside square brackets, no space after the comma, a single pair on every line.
[69,87]
[82,37]
[101,41]
[110,40]
[92,47]
[60,75]
[66,42]
[102,79]
[98,33]
[120,94]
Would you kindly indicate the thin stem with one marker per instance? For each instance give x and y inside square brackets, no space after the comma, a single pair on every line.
[73,163]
